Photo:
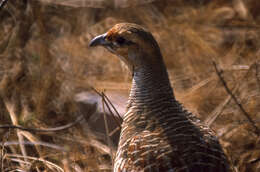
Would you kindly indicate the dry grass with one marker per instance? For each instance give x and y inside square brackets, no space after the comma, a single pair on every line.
[45,62]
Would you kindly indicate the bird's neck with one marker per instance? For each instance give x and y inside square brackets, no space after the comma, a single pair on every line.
[150,87]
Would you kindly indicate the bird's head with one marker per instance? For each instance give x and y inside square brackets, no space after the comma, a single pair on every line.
[132,43]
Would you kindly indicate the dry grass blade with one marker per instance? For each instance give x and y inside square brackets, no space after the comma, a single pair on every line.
[31,138]
[257,131]
[11,109]
[114,131]
[198,86]
[17,170]
[55,129]
[77,3]
[2,158]
[98,3]
[101,147]
[20,161]
[37,159]
[118,115]
[217,111]
[53,146]
[107,129]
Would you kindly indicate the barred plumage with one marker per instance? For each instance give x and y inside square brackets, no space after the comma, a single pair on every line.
[157,134]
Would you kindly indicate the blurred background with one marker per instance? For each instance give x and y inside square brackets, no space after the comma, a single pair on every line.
[58,90]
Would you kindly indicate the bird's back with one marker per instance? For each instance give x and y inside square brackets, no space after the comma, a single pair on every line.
[167,139]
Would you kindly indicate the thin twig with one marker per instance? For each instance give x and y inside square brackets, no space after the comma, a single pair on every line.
[235,99]
[2,3]
[108,107]
[219,109]
[53,146]
[112,114]
[64,127]
[113,107]
[107,129]
[107,100]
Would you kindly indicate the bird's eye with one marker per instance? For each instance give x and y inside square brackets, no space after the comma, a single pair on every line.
[120,41]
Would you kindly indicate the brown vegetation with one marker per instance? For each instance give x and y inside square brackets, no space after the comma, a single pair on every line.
[46,66]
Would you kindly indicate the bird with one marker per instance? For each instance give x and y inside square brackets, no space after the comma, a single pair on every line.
[158,133]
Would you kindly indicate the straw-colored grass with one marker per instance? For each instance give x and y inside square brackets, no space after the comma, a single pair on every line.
[45,62]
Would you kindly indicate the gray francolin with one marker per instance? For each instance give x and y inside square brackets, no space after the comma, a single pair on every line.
[157,134]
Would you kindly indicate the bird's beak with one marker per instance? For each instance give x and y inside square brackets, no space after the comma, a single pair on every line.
[99,40]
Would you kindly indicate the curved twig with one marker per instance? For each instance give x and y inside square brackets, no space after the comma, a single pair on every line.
[64,127]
